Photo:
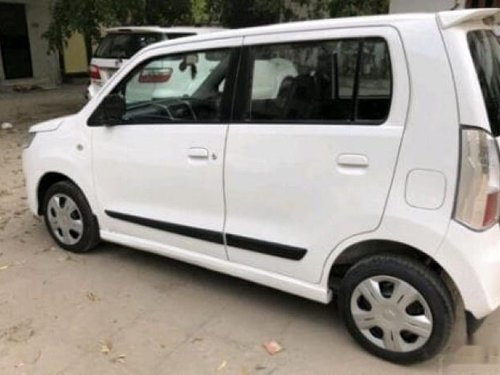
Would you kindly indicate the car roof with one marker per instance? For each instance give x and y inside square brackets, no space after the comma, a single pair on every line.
[445,19]
[163,30]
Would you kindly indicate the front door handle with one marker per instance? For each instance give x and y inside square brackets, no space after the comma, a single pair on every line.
[198,153]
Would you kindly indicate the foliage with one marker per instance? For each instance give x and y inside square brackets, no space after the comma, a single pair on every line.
[89,16]
[200,15]
[168,12]
[242,13]
[347,8]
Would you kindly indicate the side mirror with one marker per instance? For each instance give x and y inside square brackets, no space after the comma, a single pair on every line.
[114,108]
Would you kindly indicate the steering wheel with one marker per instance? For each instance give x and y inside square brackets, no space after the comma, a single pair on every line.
[184,103]
[163,110]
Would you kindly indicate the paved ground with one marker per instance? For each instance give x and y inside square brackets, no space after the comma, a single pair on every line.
[120,311]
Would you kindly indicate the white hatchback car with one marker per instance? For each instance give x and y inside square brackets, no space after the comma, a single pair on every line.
[351,157]
[121,43]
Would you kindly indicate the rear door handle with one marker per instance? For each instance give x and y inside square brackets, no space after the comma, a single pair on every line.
[352,161]
[198,153]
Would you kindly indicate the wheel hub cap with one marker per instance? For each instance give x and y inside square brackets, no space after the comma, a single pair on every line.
[391,314]
[65,219]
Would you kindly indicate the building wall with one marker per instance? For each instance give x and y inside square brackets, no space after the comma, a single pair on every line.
[46,67]
[405,6]
[2,77]
[75,55]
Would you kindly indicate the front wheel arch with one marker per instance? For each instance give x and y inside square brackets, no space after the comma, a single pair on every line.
[59,220]
[45,183]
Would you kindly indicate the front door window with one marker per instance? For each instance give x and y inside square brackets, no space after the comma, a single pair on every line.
[186,88]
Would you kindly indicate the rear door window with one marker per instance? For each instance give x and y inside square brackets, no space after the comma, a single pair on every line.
[332,81]
[180,88]
[485,50]
[125,45]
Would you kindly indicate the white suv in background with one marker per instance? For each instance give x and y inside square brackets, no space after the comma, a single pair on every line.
[121,43]
[350,157]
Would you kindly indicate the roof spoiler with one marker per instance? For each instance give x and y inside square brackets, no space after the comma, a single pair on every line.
[457,17]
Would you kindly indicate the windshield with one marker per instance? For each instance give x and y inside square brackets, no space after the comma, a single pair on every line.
[125,45]
[485,50]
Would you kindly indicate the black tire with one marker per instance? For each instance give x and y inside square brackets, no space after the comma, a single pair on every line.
[90,234]
[424,280]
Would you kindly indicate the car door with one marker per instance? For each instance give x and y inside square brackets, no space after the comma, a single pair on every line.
[311,154]
[158,170]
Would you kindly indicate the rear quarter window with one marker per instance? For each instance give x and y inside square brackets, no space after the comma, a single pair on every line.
[485,51]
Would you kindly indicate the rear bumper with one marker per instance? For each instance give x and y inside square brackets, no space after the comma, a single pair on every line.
[472,260]
[473,324]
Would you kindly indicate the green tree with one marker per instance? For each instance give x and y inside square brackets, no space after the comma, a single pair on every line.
[243,13]
[246,13]
[168,12]
[88,17]
[347,8]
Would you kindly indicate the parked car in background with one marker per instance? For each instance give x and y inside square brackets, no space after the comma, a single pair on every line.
[352,157]
[121,43]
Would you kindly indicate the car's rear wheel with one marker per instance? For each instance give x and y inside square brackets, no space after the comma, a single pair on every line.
[396,308]
[69,219]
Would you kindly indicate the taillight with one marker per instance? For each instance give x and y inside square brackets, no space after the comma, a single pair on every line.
[477,204]
[94,72]
[155,75]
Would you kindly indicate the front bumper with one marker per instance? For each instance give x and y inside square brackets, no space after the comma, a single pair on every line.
[472,260]
[31,177]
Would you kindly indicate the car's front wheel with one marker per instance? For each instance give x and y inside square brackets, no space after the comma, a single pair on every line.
[396,308]
[69,219]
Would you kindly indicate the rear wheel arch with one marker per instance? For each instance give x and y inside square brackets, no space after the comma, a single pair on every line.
[396,308]
[359,251]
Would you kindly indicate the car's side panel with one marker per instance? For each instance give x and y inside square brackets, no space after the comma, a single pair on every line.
[430,142]
[69,154]
[287,284]
[162,181]
[301,185]
[145,174]
[431,139]
[469,95]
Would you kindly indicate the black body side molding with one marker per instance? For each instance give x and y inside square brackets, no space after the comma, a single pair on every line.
[245,243]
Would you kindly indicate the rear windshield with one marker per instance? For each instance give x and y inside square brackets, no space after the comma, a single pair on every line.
[125,45]
[485,50]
